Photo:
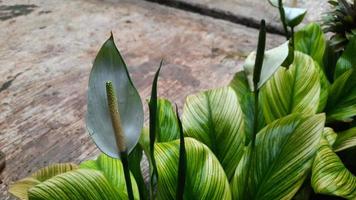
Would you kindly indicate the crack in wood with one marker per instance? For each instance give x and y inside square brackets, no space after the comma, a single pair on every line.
[8,83]
[12,11]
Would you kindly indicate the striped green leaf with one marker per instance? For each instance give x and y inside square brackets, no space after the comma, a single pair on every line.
[205,178]
[215,118]
[167,124]
[311,41]
[20,188]
[347,60]
[247,102]
[345,140]
[113,171]
[296,90]
[324,88]
[329,135]
[272,60]
[341,105]
[330,176]
[81,184]
[281,159]
[110,66]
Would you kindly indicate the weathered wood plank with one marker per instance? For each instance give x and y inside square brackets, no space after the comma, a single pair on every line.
[248,12]
[46,54]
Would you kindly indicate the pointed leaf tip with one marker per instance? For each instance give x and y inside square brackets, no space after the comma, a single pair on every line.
[111,36]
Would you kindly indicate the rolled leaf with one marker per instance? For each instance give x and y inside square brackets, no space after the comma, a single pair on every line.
[345,140]
[113,171]
[296,90]
[215,118]
[281,159]
[273,59]
[205,178]
[330,176]
[20,188]
[347,60]
[81,184]
[109,66]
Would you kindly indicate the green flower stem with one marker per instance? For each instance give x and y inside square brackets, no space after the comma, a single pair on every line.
[257,73]
[119,135]
[256,78]
[292,33]
[283,18]
[125,165]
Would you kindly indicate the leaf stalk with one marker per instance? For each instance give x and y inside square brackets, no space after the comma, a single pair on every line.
[283,18]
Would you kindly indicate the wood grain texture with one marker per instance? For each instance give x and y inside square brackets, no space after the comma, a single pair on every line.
[46,56]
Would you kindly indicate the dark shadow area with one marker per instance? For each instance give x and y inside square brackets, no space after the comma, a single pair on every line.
[9,12]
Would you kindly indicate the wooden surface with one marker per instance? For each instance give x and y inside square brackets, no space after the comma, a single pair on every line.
[249,12]
[46,52]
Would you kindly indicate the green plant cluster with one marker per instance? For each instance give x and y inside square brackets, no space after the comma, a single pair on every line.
[341,22]
[284,128]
